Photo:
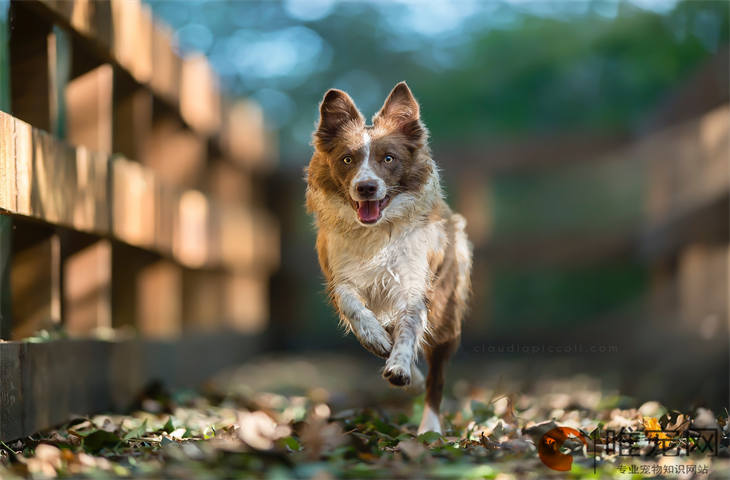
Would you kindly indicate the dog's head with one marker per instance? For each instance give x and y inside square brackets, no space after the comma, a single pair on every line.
[377,171]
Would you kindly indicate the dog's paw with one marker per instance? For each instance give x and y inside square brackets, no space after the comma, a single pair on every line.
[375,339]
[418,382]
[397,375]
[380,345]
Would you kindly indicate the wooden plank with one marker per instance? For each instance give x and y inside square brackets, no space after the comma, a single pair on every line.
[90,18]
[244,136]
[708,223]
[8,195]
[176,154]
[200,102]
[167,66]
[702,280]
[87,290]
[23,167]
[134,203]
[11,395]
[93,18]
[236,235]
[474,201]
[53,181]
[203,300]
[266,246]
[35,286]
[44,384]
[91,207]
[246,238]
[228,182]
[132,26]
[246,301]
[191,244]
[167,218]
[89,100]
[159,300]
[687,166]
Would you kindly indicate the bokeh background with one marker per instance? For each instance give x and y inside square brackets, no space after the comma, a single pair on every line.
[586,142]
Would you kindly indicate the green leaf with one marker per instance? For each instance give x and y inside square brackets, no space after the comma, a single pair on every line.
[136,432]
[169,427]
[99,439]
[429,437]
[291,443]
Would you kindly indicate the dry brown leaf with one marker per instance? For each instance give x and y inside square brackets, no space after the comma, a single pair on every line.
[653,429]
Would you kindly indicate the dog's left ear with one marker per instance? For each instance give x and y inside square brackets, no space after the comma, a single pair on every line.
[337,112]
[401,112]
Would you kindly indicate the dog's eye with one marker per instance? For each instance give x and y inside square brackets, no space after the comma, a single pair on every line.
[347,159]
[388,158]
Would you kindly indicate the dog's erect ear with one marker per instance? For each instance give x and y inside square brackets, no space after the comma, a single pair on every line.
[336,112]
[400,111]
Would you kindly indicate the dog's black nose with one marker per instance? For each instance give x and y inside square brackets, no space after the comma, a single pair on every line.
[367,188]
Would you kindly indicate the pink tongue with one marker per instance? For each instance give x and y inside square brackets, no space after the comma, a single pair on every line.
[369,211]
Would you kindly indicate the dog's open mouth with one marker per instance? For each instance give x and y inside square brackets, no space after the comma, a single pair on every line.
[369,211]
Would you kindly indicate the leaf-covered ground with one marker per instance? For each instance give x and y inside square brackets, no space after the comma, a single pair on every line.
[332,417]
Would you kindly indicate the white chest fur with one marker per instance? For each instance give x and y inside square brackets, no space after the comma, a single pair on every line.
[388,268]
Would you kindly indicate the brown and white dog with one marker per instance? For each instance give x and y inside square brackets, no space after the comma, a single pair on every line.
[396,258]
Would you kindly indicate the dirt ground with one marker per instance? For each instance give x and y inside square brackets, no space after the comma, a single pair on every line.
[331,416]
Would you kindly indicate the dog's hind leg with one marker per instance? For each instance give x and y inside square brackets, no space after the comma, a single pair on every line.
[437,356]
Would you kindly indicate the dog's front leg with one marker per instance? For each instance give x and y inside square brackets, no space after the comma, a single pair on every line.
[407,336]
[362,321]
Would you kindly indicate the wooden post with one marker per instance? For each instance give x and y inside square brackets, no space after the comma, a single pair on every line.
[246,302]
[6,222]
[89,99]
[132,118]
[59,70]
[35,285]
[4,56]
[159,307]
[702,288]
[29,67]
[203,300]
[6,235]
[176,154]
[87,289]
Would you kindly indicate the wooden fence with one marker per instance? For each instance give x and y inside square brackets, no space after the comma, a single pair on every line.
[131,211]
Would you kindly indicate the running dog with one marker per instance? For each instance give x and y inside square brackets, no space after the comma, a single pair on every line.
[396,258]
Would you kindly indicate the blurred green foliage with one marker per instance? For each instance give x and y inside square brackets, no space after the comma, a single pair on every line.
[546,298]
[485,73]
[482,70]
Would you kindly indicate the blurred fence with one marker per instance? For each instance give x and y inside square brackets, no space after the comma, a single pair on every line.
[131,211]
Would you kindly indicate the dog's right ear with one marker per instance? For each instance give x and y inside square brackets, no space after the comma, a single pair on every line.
[336,113]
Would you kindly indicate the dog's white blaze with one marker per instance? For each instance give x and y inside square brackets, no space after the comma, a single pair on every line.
[430,421]
[366,173]
[366,145]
